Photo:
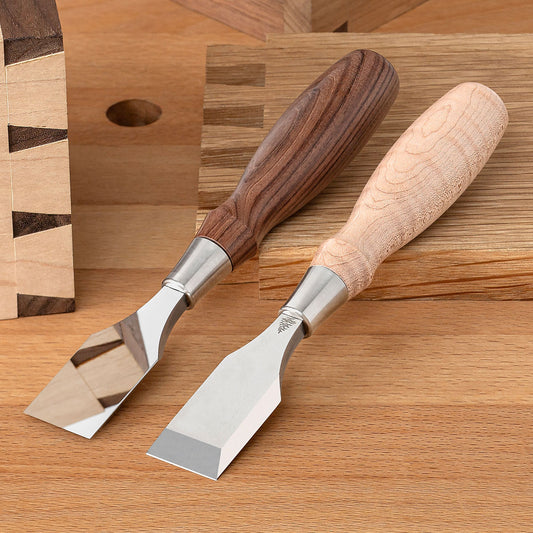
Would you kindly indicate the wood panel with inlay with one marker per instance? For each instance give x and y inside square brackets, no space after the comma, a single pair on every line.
[36,272]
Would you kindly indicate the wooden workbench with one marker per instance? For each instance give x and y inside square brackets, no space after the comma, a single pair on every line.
[396,416]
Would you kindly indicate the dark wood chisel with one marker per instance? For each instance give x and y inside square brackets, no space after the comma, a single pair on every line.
[426,170]
[311,143]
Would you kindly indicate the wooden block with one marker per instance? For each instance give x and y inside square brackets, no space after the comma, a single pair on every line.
[261,17]
[480,249]
[36,274]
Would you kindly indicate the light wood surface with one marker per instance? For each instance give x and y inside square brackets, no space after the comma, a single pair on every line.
[396,416]
[36,275]
[487,233]
[421,176]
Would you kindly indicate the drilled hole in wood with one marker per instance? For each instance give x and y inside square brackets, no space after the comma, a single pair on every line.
[133,113]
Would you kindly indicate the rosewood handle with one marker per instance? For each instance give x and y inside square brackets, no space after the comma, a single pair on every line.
[425,171]
[308,146]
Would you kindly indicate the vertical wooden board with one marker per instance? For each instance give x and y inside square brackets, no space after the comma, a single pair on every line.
[8,290]
[37,221]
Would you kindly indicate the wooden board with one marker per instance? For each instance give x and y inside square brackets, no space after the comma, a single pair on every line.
[36,270]
[481,249]
[398,416]
[261,17]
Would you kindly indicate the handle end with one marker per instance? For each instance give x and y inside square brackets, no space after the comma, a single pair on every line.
[421,176]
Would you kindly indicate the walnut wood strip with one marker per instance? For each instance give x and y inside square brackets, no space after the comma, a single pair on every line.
[251,75]
[30,29]
[240,116]
[22,137]
[26,223]
[32,304]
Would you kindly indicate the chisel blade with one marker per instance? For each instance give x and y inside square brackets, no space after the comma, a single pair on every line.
[108,366]
[232,404]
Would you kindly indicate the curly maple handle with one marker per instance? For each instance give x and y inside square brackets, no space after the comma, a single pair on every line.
[308,146]
[422,175]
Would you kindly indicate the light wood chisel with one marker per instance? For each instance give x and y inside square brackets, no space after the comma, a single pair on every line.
[425,171]
[307,147]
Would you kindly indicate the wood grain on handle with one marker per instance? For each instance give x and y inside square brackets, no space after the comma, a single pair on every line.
[425,171]
[308,146]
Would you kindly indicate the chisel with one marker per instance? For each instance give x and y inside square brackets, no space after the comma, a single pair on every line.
[311,143]
[424,172]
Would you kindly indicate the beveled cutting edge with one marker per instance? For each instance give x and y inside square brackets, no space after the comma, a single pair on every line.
[421,176]
[308,146]
[245,388]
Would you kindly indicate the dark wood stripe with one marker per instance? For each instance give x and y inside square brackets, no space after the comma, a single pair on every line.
[251,74]
[24,137]
[241,116]
[26,223]
[112,399]
[32,305]
[86,354]
[30,29]
[343,28]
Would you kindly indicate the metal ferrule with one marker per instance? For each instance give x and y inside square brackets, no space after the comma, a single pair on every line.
[317,296]
[202,265]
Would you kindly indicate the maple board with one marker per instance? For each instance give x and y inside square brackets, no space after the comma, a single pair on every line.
[482,248]
[36,265]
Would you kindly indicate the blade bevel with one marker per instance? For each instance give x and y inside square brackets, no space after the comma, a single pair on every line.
[232,404]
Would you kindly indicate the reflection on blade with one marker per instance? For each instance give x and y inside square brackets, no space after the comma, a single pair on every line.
[232,404]
[108,366]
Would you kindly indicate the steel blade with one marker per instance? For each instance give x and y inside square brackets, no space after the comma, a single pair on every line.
[232,404]
[108,366]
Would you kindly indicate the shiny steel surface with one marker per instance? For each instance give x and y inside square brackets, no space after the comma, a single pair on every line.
[203,264]
[320,293]
[109,365]
[232,404]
